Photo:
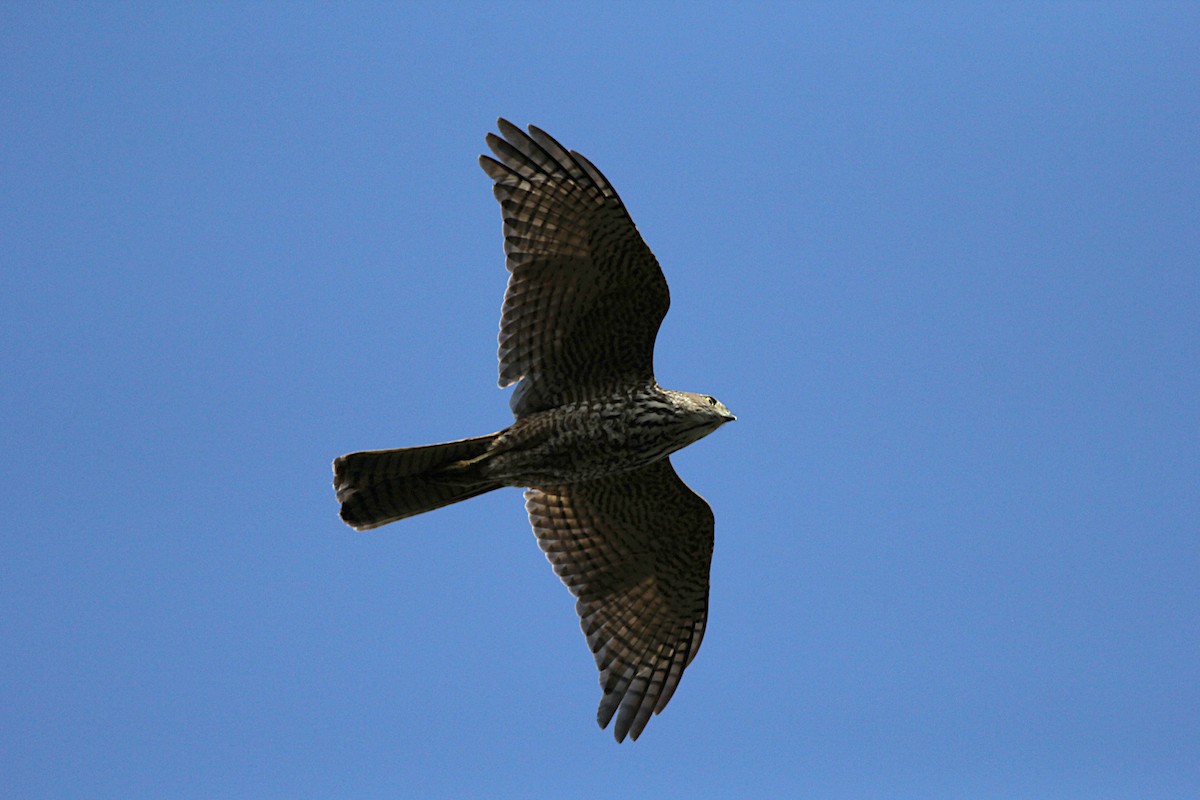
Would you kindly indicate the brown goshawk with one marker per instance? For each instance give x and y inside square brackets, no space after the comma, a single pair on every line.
[592,432]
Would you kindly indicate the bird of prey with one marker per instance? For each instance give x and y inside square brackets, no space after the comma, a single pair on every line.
[592,432]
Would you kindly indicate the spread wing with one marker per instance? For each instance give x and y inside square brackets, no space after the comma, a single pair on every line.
[635,550]
[586,295]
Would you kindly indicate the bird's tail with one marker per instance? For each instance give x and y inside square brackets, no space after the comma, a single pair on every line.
[376,487]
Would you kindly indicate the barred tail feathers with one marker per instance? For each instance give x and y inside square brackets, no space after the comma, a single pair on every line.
[376,487]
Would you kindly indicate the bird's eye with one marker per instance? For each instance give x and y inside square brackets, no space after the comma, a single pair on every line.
[712,401]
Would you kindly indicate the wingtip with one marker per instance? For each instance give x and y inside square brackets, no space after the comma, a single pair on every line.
[507,129]
[619,734]
[625,724]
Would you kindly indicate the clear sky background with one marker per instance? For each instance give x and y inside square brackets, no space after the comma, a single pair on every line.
[942,260]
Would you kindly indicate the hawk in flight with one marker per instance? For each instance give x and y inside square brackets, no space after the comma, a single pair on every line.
[593,429]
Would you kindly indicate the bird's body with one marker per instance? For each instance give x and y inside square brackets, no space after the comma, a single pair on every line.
[597,438]
[593,429]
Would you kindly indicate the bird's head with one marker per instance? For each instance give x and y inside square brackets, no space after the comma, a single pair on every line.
[704,408]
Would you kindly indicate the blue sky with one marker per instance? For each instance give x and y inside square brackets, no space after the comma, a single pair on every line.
[940,259]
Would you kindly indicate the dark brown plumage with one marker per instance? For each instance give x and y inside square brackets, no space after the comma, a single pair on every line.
[593,429]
